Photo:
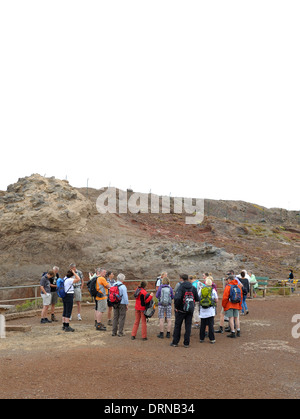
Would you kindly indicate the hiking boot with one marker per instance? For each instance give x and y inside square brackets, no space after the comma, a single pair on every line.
[45,320]
[168,335]
[231,335]
[100,326]
[145,339]
[69,329]
[53,318]
[160,335]
[132,337]
[238,333]
[221,330]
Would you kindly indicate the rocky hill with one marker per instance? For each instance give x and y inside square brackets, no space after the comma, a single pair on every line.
[46,222]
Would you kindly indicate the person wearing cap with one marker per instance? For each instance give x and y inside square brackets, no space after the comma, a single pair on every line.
[232,309]
[207,313]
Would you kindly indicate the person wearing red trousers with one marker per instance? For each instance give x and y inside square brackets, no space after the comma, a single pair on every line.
[142,298]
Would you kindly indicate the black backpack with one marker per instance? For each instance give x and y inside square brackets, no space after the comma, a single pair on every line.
[188,302]
[91,284]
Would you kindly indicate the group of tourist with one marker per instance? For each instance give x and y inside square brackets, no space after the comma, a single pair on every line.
[194,300]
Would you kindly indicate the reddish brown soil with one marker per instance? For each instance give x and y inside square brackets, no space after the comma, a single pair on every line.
[49,363]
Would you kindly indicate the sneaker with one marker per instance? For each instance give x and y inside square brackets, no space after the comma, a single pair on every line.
[145,339]
[174,344]
[186,346]
[79,317]
[201,341]
[231,335]
[43,321]
[47,320]
[160,335]
[238,333]
[220,330]
[168,335]
[212,341]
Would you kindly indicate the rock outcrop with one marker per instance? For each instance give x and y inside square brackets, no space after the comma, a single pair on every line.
[46,222]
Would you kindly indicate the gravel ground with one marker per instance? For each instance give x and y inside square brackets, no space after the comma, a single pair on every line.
[49,363]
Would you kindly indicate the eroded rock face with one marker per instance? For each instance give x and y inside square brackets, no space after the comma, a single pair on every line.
[46,222]
[39,202]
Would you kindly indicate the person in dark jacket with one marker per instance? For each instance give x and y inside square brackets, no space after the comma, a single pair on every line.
[246,290]
[142,298]
[184,303]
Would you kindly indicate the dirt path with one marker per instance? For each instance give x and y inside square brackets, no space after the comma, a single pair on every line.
[263,363]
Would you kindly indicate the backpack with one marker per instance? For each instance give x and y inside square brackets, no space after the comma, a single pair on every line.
[150,309]
[137,292]
[165,296]
[91,284]
[235,294]
[158,280]
[61,287]
[206,297]
[188,302]
[114,295]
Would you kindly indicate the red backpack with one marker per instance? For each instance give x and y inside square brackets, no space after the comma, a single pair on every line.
[114,294]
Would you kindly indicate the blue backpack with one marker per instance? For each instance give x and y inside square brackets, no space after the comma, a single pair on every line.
[60,283]
[235,295]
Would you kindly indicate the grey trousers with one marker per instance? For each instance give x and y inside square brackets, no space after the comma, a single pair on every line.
[119,318]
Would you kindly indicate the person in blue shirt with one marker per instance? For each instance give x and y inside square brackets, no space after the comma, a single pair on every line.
[121,310]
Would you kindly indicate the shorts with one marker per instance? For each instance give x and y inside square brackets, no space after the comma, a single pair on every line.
[101,305]
[77,294]
[46,299]
[54,297]
[164,311]
[232,312]
[109,304]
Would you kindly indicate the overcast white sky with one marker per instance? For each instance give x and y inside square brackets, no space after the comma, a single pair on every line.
[193,98]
